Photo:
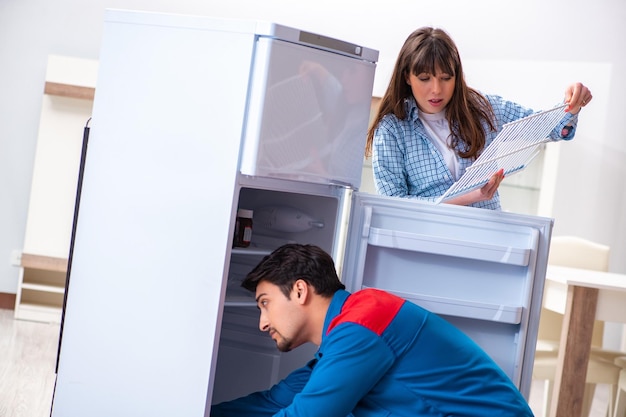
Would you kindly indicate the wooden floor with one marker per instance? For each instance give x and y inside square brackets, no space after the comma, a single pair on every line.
[27,359]
[28,355]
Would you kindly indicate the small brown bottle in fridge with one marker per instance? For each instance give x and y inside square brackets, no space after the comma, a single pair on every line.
[243,228]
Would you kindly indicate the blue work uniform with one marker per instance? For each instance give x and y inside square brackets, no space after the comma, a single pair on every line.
[384,356]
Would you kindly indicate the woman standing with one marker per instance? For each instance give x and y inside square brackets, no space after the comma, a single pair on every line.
[431,125]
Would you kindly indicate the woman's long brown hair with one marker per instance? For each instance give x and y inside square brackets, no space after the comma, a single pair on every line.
[428,50]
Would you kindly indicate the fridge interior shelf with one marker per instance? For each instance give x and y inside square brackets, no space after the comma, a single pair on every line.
[465,308]
[243,261]
[240,329]
[239,302]
[448,246]
[252,251]
[236,296]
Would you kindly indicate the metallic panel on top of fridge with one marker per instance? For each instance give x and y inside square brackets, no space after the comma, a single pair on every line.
[307,117]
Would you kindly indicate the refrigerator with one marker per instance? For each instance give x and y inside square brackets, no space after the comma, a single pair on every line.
[197,117]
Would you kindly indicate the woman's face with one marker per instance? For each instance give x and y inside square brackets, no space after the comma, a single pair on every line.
[432,92]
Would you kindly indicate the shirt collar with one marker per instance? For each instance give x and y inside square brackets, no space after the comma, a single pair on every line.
[410,107]
[339,298]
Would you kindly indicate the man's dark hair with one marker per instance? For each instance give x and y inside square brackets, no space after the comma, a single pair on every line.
[291,262]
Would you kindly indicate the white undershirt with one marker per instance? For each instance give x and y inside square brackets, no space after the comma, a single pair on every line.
[439,134]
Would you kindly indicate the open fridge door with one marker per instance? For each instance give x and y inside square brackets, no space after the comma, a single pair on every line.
[481,270]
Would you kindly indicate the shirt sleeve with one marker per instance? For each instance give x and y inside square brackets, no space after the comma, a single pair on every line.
[508,111]
[353,361]
[266,403]
[388,161]
[566,129]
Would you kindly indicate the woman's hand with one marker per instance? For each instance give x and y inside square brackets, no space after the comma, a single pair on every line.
[577,96]
[485,193]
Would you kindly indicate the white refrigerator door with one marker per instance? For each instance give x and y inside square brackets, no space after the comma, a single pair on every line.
[155,221]
[307,115]
[481,270]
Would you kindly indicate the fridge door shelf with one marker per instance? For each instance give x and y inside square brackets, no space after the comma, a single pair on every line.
[397,239]
[465,308]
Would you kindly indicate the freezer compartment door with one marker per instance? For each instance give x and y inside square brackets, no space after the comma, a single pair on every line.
[481,270]
[308,114]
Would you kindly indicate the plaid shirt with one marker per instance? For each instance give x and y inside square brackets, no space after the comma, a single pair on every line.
[407,164]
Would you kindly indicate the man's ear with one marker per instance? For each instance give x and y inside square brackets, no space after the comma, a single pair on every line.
[301,290]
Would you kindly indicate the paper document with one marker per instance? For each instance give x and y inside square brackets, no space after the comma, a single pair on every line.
[512,150]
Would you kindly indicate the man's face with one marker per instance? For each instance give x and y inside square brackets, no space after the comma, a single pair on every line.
[282,317]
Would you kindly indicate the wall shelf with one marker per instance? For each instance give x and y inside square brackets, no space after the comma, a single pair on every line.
[42,288]
[48,263]
[68,90]
[66,106]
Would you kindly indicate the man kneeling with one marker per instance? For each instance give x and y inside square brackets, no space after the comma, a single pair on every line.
[379,355]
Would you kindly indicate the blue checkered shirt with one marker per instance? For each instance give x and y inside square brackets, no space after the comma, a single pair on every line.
[407,164]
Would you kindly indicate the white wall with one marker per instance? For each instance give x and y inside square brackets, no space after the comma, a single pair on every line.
[572,34]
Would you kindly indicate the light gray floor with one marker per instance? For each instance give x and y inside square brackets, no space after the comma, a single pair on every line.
[28,356]
[27,359]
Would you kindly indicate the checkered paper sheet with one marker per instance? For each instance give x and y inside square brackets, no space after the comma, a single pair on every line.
[512,150]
